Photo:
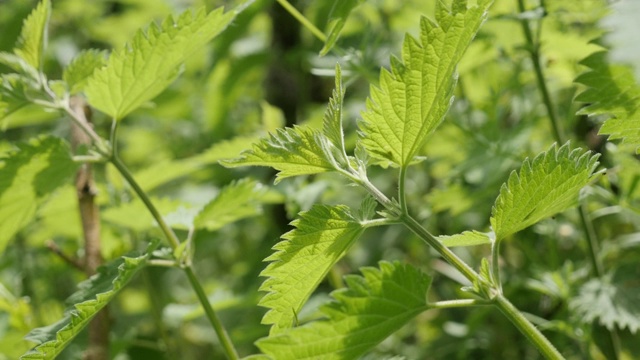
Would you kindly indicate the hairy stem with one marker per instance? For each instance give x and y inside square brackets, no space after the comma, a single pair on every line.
[534,52]
[527,328]
[591,237]
[402,196]
[303,20]
[448,304]
[495,265]
[223,336]
[510,311]
[166,229]
[444,251]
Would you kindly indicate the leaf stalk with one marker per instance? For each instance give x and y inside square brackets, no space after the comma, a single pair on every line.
[303,20]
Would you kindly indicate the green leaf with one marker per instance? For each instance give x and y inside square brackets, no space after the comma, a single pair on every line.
[19,65]
[332,120]
[337,18]
[33,37]
[292,151]
[14,93]
[28,176]
[612,90]
[612,300]
[77,73]
[150,62]
[135,216]
[467,238]
[371,308]
[544,187]
[322,236]
[413,98]
[93,295]
[236,201]
[165,171]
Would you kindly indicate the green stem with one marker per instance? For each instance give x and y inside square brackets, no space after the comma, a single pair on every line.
[102,148]
[378,222]
[510,311]
[444,251]
[380,197]
[303,20]
[527,328]
[534,52]
[223,337]
[402,195]
[495,264]
[448,304]
[166,229]
[592,239]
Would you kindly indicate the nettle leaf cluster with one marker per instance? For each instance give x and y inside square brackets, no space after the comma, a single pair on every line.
[404,109]
[407,106]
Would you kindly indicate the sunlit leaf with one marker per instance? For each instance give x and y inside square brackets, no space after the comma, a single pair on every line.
[165,171]
[544,186]
[135,216]
[413,98]
[612,90]
[337,18]
[28,176]
[82,67]
[14,90]
[93,295]
[332,120]
[371,308]
[236,201]
[33,37]
[467,238]
[292,151]
[150,62]
[321,237]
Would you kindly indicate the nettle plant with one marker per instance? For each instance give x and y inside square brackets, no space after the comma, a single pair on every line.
[402,112]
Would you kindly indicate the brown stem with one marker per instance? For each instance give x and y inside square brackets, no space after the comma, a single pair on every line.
[99,328]
[70,260]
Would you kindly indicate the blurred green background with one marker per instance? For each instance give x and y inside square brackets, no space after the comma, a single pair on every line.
[263,73]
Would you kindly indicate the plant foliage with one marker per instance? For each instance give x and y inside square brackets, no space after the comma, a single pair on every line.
[545,186]
[94,294]
[235,201]
[33,37]
[414,96]
[292,151]
[29,175]
[371,308]
[146,66]
[612,90]
[611,300]
[322,237]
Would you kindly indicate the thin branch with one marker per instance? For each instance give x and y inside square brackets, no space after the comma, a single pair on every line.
[73,262]
[86,190]
[527,328]
[534,52]
[223,336]
[303,20]
[402,196]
